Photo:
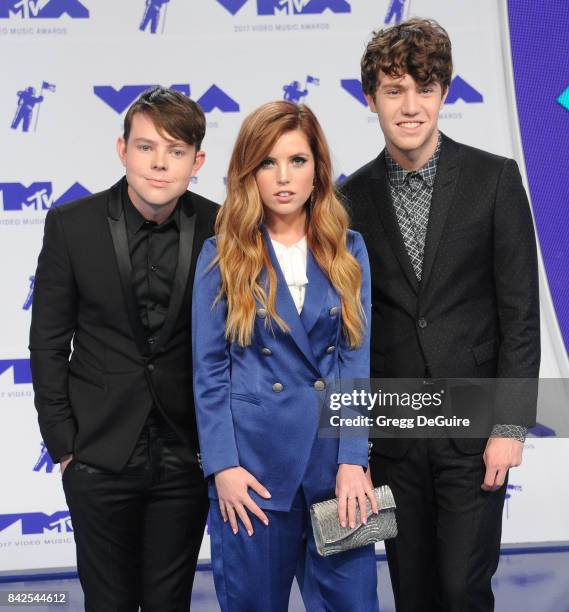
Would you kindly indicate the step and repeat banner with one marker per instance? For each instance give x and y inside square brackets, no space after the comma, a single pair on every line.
[72,68]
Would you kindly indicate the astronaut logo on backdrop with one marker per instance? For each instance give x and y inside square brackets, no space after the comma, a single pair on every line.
[120,99]
[396,11]
[28,302]
[43,9]
[44,462]
[37,523]
[564,99]
[154,16]
[37,196]
[295,92]
[28,108]
[289,7]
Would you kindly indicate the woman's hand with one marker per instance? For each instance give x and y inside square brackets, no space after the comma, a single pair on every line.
[352,485]
[232,486]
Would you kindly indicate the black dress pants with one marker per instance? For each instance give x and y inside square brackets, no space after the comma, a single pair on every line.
[448,546]
[138,533]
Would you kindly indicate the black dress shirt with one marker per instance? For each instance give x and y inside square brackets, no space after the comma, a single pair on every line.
[153,252]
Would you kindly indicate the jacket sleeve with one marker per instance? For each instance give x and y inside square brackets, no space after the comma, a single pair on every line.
[54,317]
[355,363]
[212,368]
[517,292]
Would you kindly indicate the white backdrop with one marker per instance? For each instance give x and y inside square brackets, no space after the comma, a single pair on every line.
[232,55]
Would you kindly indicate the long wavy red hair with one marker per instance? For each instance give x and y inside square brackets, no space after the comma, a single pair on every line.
[242,253]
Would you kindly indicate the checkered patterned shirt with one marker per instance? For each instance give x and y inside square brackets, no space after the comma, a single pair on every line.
[411,193]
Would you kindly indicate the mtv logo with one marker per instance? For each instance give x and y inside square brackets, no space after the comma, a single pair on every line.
[120,99]
[43,9]
[301,7]
[37,196]
[460,90]
[354,88]
[34,523]
[22,375]
[233,6]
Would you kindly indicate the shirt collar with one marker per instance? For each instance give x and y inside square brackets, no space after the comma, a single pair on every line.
[135,221]
[398,175]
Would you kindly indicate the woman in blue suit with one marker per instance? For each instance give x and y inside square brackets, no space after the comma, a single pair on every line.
[280,307]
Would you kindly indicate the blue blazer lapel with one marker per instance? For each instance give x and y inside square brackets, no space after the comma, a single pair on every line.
[287,309]
[315,295]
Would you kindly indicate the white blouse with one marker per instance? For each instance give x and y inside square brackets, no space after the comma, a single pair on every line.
[292,260]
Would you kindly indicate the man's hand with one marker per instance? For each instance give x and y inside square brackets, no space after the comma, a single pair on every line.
[232,486]
[64,462]
[500,455]
[353,485]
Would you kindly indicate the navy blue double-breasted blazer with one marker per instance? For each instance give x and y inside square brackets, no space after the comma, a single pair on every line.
[258,406]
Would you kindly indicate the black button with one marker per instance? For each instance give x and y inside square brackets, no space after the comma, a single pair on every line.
[150,367]
[151,340]
[154,268]
[422,323]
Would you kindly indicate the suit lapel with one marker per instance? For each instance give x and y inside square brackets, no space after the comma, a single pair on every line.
[443,195]
[381,201]
[117,226]
[185,247]
[287,309]
[315,294]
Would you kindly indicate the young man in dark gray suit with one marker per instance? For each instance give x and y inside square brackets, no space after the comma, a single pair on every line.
[452,250]
[115,277]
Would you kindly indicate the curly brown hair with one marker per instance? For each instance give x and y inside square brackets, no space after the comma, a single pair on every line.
[418,47]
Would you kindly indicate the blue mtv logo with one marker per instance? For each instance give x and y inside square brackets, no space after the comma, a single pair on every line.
[459,90]
[120,99]
[295,92]
[44,462]
[21,372]
[34,523]
[37,196]
[290,7]
[43,9]
[154,15]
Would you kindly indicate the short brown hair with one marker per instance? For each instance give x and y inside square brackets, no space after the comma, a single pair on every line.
[418,47]
[172,113]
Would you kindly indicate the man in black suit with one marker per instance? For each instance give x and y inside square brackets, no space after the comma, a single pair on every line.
[114,277]
[453,259]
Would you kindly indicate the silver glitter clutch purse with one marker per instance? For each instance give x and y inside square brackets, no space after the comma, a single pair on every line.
[331,538]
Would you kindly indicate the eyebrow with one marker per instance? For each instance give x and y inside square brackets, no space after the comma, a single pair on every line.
[171,143]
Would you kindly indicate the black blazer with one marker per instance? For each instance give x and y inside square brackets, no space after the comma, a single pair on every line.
[96,402]
[476,311]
